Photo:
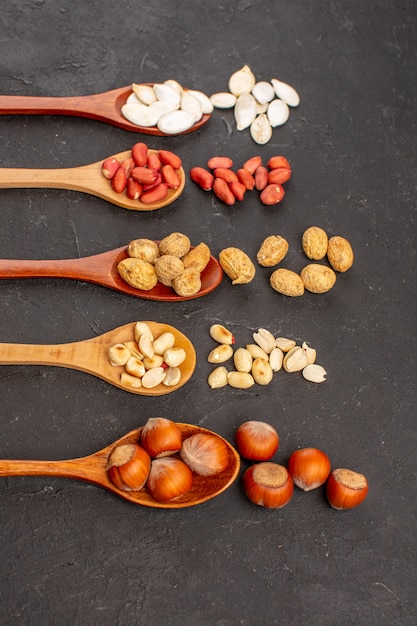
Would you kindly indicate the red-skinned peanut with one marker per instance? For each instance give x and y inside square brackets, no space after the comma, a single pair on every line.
[202,178]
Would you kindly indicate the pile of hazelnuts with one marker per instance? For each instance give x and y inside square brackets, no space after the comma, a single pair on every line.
[271,485]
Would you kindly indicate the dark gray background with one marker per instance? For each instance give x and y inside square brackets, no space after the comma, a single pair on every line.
[73,554]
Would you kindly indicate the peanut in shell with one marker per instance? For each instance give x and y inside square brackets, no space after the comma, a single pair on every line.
[287,282]
[237,265]
[318,278]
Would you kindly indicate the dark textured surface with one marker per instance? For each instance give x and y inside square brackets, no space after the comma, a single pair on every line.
[73,554]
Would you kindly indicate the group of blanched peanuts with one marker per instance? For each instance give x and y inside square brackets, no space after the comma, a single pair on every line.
[258,361]
[148,362]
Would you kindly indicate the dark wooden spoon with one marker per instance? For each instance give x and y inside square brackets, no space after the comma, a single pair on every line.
[104,107]
[93,469]
[101,269]
[86,178]
[92,356]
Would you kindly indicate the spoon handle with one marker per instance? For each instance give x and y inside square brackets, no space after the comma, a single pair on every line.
[90,468]
[80,106]
[84,178]
[92,269]
[74,355]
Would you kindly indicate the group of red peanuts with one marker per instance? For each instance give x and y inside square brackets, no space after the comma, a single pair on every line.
[146,176]
[230,186]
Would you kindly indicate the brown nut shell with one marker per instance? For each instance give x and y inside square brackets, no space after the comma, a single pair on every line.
[272,251]
[198,257]
[237,265]
[188,283]
[137,273]
[314,242]
[287,282]
[318,278]
[175,244]
[167,268]
[144,249]
[340,254]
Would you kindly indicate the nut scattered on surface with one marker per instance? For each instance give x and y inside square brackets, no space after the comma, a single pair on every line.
[218,377]
[221,334]
[314,242]
[340,254]
[314,373]
[272,251]
[258,362]
[318,278]
[220,354]
[287,282]
[237,265]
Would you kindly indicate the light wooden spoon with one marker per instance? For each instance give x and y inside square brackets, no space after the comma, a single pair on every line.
[86,178]
[91,356]
[104,107]
[93,469]
[101,269]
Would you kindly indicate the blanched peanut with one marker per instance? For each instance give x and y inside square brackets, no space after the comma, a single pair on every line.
[163,342]
[119,354]
[262,372]
[174,356]
[256,351]
[220,354]
[135,367]
[153,377]
[240,380]
[276,358]
[295,360]
[265,340]
[146,346]
[127,380]
[172,376]
[150,362]
[142,328]
[243,360]
[221,334]
[218,377]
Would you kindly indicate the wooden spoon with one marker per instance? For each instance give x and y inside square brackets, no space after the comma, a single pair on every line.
[93,469]
[101,269]
[91,356]
[86,178]
[104,107]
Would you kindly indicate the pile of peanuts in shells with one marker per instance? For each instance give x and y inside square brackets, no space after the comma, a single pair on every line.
[172,262]
[148,362]
[314,277]
[258,105]
[258,361]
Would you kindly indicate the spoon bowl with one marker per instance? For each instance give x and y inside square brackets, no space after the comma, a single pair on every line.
[91,356]
[104,107]
[101,269]
[85,178]
[92,469]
